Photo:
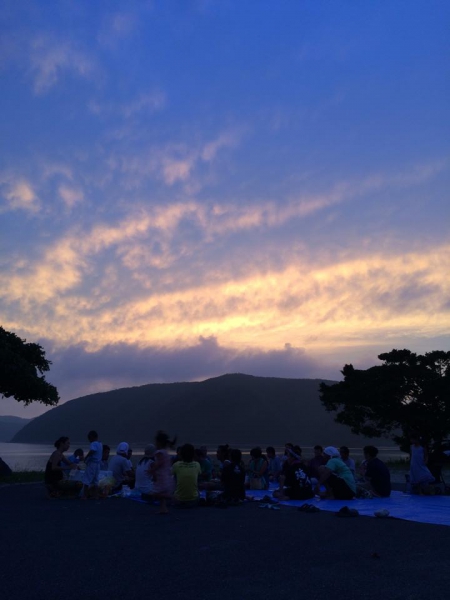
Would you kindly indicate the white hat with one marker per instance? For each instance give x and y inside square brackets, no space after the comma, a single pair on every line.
[331,451]
[122,448]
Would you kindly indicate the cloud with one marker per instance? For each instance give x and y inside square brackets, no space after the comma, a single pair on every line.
[154,237]
[52,169]
[121,365]
[227,139]
[150,102]
[146,103]
[173,162]
[70,196]
[19,193]
[349,301]
[117,27]
[51,57]
[168,274]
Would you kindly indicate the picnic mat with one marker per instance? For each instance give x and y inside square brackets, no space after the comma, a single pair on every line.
[411,507]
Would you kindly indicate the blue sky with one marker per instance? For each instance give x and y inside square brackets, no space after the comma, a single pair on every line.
[194,188]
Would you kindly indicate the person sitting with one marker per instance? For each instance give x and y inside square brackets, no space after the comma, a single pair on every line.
[186,472]
[130,456]
[177,456]
[344,451]
[223,456]
[205,465]
[274,464]
[144,479]
[336,477]
[436,461]
[105,458]
[295,483]
[233,479]
[77,456]
[204,449]
[120,467]
[377,476]
[288,446]
[56,466]
[257,469]
[318,460]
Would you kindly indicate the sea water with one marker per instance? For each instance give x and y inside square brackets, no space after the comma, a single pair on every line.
[33,457]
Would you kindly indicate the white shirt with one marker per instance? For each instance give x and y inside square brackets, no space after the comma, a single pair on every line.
[144,482]
[97,450]
[119,466]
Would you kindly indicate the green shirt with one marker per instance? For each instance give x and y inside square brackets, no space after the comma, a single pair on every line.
[340,469]
[186,474]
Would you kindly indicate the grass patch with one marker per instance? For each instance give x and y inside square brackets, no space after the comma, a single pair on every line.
[23,477]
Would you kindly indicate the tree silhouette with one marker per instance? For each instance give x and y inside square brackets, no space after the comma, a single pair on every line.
[408,392]
[22,366]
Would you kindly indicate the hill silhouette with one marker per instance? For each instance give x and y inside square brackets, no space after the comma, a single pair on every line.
[9,426]
[236,409]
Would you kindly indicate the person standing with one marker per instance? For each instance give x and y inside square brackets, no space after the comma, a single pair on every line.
[92,460]
[161,471]
[419,473]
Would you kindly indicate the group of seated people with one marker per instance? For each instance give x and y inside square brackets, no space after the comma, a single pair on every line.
[330,473]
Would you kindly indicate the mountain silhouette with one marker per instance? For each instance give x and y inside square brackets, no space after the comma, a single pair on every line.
[237,409]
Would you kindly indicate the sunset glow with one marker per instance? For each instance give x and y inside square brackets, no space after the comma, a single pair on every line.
[255,187]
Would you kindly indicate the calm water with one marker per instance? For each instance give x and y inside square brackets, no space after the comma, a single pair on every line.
[33,457]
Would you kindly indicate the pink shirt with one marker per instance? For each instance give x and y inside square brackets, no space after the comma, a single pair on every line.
[162,473]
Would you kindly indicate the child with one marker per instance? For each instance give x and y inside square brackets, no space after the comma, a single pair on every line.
[92,460]
[77,456]
[160,470]
[257,470]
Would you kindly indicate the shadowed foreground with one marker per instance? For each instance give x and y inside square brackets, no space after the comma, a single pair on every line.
[119,549]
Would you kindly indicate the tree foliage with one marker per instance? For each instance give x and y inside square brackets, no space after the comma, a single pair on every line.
[22,366]
[408,392]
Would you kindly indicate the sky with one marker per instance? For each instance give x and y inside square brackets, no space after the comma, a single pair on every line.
[191,188]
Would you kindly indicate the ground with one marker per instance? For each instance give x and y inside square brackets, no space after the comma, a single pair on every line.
[119,549]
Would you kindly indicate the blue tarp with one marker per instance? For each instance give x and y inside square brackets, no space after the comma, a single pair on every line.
[411,507]
[422,509]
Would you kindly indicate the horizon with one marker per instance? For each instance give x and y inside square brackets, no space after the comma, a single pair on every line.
[210,187]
